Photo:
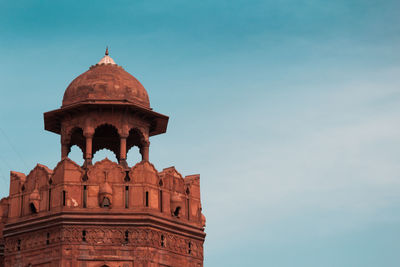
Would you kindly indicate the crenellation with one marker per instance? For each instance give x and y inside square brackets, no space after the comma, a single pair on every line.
[17,180]
[63,188]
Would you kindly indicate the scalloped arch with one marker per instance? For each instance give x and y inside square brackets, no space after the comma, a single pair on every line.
[106,136]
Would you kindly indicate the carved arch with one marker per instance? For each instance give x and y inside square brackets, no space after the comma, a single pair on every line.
[136,137]
[106,136]
[103,119]
[74,137]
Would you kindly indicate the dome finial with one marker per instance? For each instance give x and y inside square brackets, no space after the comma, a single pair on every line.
[106,59]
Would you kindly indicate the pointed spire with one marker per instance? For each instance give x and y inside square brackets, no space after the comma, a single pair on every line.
[106,50]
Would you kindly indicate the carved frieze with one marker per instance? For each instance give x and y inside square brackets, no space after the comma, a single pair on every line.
[131,236]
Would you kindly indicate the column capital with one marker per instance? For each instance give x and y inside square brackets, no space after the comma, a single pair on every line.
[88,132]
[145,143]
[144,150]
[123,136]
[88,149]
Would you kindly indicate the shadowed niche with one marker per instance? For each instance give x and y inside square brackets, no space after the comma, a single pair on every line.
[106,136]
[77,138]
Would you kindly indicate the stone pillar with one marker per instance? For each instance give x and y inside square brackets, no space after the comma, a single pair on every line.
[88,148]
[64,151]
[65,148]
[144,150]
[122,149]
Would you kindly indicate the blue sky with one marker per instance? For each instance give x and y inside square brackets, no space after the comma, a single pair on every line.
[289,110]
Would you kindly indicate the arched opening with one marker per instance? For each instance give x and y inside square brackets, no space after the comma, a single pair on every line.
[187,203]
[49,199]
[84,197]
[106,203]
[126,236]
[188,208]
[177,211]
[64,197]
[33,208]
[133,156]
[77,138]
[106,137]
[160,199]
[133,144]
[84,235]
[76,154]
[162,241]
[104,153]
[126,196]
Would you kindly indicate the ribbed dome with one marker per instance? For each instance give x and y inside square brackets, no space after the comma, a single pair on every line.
[106,82]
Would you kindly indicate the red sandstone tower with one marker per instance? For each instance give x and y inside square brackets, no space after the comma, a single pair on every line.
[107,213]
